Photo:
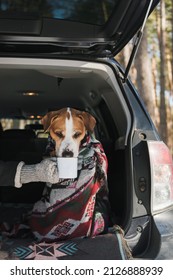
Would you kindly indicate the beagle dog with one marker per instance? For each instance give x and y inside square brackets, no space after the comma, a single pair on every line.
[67,127]
[78,206]
[73,207]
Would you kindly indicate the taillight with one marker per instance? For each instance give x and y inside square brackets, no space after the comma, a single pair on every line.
[161,176]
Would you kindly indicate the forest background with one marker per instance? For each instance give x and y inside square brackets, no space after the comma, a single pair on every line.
[152,70]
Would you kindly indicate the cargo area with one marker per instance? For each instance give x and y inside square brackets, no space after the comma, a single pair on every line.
[82,85]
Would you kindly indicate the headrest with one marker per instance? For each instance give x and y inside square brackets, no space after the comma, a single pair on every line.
[19,133]
[35,126]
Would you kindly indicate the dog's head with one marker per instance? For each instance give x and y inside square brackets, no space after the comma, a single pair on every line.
[68,127]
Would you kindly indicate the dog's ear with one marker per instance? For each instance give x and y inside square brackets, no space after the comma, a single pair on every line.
[48,118]
[89,121]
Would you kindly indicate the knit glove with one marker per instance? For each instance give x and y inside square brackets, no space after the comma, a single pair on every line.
[45,171]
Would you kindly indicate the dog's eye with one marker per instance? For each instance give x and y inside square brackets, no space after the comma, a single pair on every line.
[76,134]
[59,134]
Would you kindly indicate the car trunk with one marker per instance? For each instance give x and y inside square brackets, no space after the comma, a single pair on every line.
[59,57]
[61,83]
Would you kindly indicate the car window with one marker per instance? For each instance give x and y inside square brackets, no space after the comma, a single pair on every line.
[8,123]
[87,11]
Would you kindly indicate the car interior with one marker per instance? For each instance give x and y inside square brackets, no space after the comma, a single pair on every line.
[32,87]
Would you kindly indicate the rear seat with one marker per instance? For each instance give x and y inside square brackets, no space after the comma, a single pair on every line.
[1,129]
[21,145]
[17,144]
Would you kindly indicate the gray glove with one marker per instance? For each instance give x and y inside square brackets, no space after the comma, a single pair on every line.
[45,171]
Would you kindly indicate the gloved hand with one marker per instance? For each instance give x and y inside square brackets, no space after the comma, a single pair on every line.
[45,171]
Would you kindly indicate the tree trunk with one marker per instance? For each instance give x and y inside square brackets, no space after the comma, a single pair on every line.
[145,82]
[155,76]
[162,42]
[172,38]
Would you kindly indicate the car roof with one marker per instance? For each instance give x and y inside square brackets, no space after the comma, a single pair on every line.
[32,87]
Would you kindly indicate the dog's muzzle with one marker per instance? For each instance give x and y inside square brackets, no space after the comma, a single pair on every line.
[67,153]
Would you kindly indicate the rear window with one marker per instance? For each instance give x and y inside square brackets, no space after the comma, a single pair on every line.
[23,124]
[86,11]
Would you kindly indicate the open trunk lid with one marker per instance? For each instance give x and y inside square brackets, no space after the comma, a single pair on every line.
[95,28]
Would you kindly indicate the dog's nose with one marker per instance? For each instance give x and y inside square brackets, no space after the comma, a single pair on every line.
[67,153]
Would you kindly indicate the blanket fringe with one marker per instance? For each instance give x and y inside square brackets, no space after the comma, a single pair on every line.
[118,230]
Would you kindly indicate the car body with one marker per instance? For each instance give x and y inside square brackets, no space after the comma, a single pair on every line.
[65,59]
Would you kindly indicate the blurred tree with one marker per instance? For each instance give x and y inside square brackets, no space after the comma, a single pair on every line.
[144,77]
[162,44]
[156,53]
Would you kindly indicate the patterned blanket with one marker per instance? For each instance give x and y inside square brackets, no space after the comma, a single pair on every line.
[72,207]
[69,209]
[109,246]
